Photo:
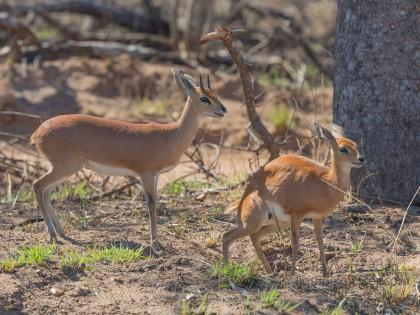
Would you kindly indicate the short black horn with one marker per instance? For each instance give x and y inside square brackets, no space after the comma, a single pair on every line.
[201,83]
[208,81]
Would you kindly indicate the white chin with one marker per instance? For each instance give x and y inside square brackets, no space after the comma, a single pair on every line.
[357,165]
[216,115]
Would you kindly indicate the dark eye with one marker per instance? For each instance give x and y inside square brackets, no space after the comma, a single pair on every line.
[344,150]
[205,99]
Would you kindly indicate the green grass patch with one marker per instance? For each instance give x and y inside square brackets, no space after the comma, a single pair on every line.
[338,310]
[26,256]
[237,273]
[218,210]
[273,78]
[271,299]
[112,255]
[282,118]
[80,191]
[47,33]
[177,187]
[188,308]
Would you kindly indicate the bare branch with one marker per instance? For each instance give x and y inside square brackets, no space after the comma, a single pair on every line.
[225,35]
[120,15]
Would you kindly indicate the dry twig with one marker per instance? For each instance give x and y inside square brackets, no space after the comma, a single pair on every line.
[225,35]
[403,220]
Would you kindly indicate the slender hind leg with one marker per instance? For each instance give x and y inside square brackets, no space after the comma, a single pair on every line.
[39,194]
[42,187]
[295,229]
[52,212]
[149,181]
[318,234]
[255,238]
[248,224]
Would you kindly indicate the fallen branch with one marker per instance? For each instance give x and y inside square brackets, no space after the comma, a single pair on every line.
[27,222]
[268,140]
[95,49]
[12,113]
[139,22]
[150,40]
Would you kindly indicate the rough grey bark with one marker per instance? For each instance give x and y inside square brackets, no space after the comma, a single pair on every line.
[377,91]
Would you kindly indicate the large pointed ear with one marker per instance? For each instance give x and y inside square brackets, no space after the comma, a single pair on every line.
[326,135]
[190,78]
[184,83]
[337,131]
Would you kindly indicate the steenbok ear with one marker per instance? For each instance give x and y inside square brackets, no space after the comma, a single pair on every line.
[326,135]
[183,83]
[337,131]
[190,78]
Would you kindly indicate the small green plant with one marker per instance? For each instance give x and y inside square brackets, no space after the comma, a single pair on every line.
[73,261]
[273,78]
[80,191]
[218,210]
[113,255]
[189,309]
[357,247]
[281,117]
[396,294]
[311,72]
[46,33]
[338,310]
[237,273]
[271,299]
[177,187]
[29,255]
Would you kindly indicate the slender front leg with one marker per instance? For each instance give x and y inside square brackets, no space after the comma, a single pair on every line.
[295,229]
[318,235]
[149,181]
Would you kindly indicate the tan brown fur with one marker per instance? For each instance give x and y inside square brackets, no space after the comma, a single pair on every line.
[293,187]
[72,142]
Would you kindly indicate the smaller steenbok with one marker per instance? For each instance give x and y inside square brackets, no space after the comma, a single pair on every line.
[289,189]
[72,142]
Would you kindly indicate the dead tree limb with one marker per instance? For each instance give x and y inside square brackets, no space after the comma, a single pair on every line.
[150,40]
[139,22]
[268,140]
[95,49]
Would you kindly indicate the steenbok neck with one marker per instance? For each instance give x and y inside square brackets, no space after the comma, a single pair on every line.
[187,125]
[339,175]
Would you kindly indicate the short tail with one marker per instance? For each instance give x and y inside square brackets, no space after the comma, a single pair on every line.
[34,137]
[233,207]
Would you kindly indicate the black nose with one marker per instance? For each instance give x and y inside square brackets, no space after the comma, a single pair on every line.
[224,109]
[361,159]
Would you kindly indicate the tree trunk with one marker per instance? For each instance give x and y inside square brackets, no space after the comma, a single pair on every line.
[377,91]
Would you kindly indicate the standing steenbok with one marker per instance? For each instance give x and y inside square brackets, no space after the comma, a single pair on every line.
[71,142]
[289,189]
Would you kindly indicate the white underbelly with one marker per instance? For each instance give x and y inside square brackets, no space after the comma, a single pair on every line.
[283,219]
[109,169]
